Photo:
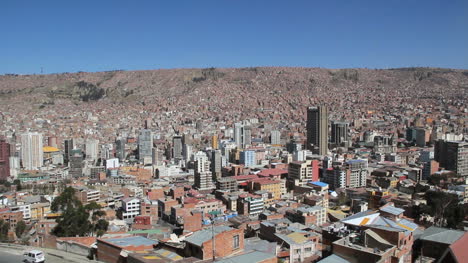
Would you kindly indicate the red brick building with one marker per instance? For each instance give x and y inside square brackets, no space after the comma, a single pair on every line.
[227,241]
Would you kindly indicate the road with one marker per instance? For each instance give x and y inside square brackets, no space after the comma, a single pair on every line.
[16,256]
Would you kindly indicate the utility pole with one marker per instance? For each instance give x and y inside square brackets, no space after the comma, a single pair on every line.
[213,239]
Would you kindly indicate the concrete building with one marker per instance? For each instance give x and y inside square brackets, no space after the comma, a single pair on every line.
[145,146]
[177,147]
[339,133]
[226,184]
[92,149]
[275,137]
[120,149]
[247,158]
[31,150]
[452,155]
[300,173]
[130,208]
[317,130]
[242,135]
[216,165]
[204,180]
[4,159]
[68,146]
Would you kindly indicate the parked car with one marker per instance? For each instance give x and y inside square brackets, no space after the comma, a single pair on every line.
[34,256]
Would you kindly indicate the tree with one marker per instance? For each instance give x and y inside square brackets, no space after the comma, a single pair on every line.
[19,229]
[4,227]
[445,208]
[76,219]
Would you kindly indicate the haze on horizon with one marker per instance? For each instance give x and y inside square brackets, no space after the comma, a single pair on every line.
[55,36]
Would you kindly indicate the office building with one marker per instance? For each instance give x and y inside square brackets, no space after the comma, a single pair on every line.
[69,146]
[145,145]
[92,149]
[76,163]
[452,155]
[242,135]
[120,149]
[247,158]
[31,150]
[275,137]
[339,133]
[216,163]
[4,159]
[317,130]
[177,147]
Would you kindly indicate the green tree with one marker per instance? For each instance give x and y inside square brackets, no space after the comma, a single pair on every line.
[76,219]
[445,207]
[20,227]
[4,227]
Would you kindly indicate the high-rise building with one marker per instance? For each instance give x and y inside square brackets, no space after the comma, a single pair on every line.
[157,156]
[242,135]
[317,130]
[120,149]
[92,149]
[145,145]
[214,142]
[76,163]
[69,146]
[275,137]
[339,132]
[247,158]
[32,154]
[246,136]
[216,163]
[204,181]
[452,155]
[202,164]
[4,159]
[177,147]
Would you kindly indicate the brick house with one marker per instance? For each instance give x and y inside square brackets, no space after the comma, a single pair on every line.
[227,241]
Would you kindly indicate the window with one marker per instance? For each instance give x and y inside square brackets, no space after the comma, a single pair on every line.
[235,242]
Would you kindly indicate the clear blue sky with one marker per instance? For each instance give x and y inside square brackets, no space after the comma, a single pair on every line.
[70,36]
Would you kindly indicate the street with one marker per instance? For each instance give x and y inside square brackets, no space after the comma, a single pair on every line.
[14,256]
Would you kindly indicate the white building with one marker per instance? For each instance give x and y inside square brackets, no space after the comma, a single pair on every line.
[130,207]
[32,154]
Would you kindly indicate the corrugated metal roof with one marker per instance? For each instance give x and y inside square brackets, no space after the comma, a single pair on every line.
[392,210]
[251,257]
[200,237]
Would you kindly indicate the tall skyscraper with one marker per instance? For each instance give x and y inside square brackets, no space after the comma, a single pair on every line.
[242,135]
[216,163]
[145,145]
[317,130]
[32,154]
[92,149]
[120,149]
[238,134]
[177,147]
[69,146]
[4,159]
[339,132]
[275,137]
